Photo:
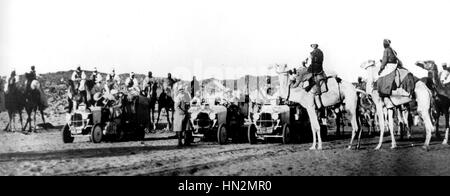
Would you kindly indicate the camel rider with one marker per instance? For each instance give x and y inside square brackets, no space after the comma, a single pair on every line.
[389,63]
[12,80]
[361,84]
[315,67]
[31,76]
[96,77]
[445,79]
[79,78]
[111,81]
[132,84]
[147,85]
[195,86]
[181,114]
[168,83]
[33,73]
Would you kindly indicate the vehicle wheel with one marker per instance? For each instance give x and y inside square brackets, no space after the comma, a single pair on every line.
[66,135]
[286,134]
[96,134]
[251,134]
[222,136]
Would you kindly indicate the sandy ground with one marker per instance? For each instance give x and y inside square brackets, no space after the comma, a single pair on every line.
[43,153]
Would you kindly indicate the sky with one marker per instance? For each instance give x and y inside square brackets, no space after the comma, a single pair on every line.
[212,38]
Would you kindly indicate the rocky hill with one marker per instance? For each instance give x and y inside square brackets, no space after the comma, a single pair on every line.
[55,87]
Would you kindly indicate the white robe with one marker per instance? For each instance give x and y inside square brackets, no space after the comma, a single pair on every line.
[445,77]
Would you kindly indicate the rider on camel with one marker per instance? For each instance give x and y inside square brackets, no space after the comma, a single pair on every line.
[79,78]
[96,77]
[148,83]
[316,68]
[111,81]
[31,76]
[314,64]
[168,84]
[132,84]
[97,89]
[12,79]
[195,86]
[389,63]
[445,76]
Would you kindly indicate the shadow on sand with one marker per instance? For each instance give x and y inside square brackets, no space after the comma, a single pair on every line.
[89,153]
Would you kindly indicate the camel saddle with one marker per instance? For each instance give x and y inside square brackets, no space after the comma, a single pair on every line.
[310,80]
[398,82]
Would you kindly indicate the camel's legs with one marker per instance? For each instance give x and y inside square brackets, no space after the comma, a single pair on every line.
[43,118]
[10,119]
[381,121]
[315,128]
[447,115]
[391,128]
[21,120]
[173,113]
[13,125]
[436,123]
[168,118]
[351,140]
[159,114]
[28,122]
[406,114]
[354,121]
[428,126]
[338,123]
[359,129]
[34,118]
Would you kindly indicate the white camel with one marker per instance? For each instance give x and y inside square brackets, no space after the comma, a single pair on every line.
[343,93]
[422,96]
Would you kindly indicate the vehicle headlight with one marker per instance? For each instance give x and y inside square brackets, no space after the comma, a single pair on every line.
[275,116]
[212,115]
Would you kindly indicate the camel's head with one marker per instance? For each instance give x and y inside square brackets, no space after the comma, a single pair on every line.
[368,64]
[427,65]
[280,69]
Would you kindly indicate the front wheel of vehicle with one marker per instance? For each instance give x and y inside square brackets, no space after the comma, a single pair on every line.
[96,134]
[222,136]
[286,134]
[66,135]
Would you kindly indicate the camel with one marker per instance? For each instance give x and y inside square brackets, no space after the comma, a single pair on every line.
[366,111]
[33,103]
[441,98]
[422,96]
[151,93]
[166,102]
[14,103]
[339,93]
